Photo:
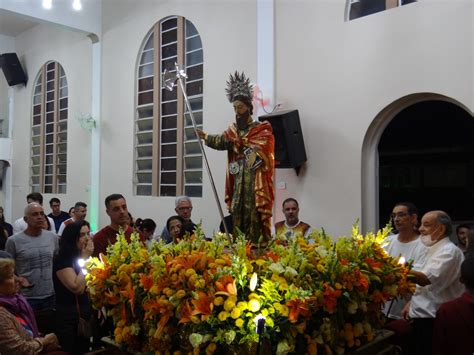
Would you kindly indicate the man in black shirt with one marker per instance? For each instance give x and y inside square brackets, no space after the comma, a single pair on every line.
[56,214]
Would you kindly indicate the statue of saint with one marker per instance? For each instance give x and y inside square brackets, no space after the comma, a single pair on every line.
[249,192]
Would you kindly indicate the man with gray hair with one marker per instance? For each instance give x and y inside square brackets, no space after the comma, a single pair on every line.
[437,278]
[183,208]
[33,251]
[20,224]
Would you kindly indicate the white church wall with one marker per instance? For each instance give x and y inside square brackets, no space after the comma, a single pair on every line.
[7,45]
[340,75]
[227,30]
[72,50]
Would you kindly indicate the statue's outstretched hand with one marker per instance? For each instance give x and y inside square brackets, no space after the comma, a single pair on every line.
[201,134]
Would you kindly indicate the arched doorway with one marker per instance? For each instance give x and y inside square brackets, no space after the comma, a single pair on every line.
[419,149]
[426,156]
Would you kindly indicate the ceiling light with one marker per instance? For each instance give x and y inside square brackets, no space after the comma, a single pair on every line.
[48,4]
[76,5]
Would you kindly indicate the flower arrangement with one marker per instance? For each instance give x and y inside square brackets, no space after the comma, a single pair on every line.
[200,297]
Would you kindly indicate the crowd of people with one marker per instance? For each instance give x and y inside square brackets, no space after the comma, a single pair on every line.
[43,292]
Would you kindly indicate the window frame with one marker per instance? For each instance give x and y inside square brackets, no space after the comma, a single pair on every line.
[172,161]
[49,129]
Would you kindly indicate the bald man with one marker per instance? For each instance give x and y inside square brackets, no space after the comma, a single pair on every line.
[436,277]
[33,251]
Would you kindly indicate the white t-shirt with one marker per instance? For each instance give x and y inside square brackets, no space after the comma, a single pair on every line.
[412,251]
[63,225]
[442,266]
[20,225]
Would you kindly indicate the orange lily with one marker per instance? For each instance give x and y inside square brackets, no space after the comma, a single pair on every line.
[226,285]
[297,307]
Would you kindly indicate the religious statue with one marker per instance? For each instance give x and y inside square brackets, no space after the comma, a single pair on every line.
[249,192]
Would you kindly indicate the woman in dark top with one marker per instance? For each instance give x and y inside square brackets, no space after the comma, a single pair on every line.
[70,285]
[6,226]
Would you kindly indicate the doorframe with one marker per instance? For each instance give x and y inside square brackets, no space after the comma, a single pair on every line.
[370,156]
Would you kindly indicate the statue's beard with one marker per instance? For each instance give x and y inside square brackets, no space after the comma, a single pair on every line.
[242,120]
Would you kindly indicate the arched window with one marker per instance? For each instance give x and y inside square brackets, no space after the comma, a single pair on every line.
[360,8]
[168,161]
[49,130]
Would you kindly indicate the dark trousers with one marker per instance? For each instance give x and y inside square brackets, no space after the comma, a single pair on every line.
[66,329]
[44,313]
[423,336]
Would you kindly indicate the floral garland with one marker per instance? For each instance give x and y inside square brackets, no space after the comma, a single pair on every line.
[202,296]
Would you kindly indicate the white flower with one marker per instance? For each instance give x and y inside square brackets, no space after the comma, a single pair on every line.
[283,347]
[195,339]
[352,307]
[229,336]
[277,268]
[290,273]
[322,251]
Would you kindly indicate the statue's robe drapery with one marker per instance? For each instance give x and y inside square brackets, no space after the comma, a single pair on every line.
[249,192]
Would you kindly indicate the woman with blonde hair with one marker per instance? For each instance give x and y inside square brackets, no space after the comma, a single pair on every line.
[19,332]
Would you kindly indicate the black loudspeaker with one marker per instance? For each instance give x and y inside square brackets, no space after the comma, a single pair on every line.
[12,69]
[289,143]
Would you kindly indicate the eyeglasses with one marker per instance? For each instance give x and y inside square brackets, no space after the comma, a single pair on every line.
[399,215]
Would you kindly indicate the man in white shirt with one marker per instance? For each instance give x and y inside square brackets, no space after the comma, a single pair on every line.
[437,278]
[79,214]
[20,224]
[405,244]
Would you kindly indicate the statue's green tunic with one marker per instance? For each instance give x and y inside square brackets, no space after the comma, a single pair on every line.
[248,201]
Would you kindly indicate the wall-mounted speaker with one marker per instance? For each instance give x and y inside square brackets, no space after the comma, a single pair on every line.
[289,142]
[12,69]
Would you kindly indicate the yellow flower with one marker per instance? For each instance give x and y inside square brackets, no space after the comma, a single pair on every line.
[218,301]
[253,296]
[229,304]
[239,323]
[180,294]
[201,283]
[260,262]
[284,310]
[235,313]
[223,316]
[265,312]
[211,348]
[168,292]
[190,272]
[242,305]
[192,279]
[254,305]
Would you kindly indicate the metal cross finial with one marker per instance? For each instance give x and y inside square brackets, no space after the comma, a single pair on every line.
[169,78]
[168,82]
